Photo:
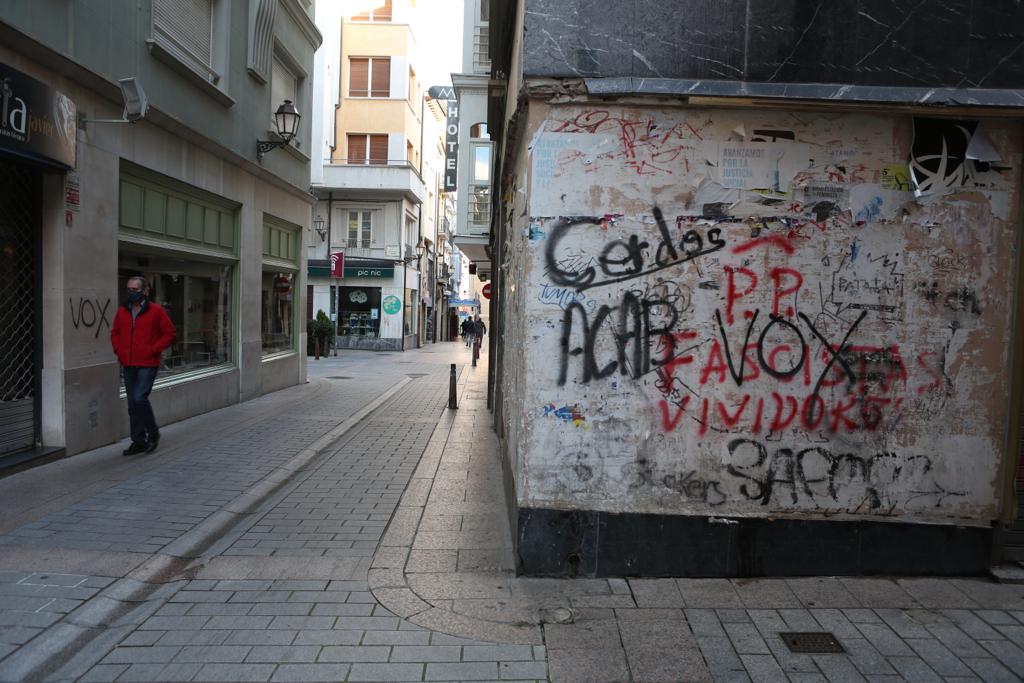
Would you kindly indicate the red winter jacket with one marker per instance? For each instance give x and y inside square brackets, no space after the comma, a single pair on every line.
[142,343]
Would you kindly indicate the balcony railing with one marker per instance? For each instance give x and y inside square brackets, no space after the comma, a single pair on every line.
[353,244]
[377,163]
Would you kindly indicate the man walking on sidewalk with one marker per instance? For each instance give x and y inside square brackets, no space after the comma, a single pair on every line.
[141,332]
[479,330]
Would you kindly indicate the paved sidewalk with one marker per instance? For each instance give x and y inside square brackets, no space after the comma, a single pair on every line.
[447,563]
[355,530]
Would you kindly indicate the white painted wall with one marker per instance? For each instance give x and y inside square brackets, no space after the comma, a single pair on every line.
[656,406]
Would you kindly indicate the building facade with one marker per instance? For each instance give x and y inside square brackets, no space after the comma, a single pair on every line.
[473,222]
[179,196]
[750,324]
[376,188]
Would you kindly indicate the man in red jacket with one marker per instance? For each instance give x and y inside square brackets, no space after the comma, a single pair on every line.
[141,332]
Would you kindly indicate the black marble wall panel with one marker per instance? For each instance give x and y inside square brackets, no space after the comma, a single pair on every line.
[591,543]
[888,43]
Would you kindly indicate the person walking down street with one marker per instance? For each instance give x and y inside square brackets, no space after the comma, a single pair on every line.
[479,330]
[141,332]
[467,331]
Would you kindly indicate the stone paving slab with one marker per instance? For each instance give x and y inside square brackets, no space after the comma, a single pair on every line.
[390,559]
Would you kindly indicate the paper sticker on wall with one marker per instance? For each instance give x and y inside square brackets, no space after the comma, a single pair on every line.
[760,165]
[895,177]
[870,203]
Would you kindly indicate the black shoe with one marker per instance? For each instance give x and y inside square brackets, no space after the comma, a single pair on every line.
[154,441]
[134,448]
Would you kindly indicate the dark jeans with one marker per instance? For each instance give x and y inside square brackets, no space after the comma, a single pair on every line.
[138,382]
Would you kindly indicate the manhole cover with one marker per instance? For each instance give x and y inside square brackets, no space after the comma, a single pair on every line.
[339,377]
[811,642]
[414,375]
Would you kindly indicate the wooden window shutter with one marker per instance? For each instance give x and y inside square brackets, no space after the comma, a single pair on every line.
[383,13]
[358,77]
[356,149]
[381,77]
[378,149]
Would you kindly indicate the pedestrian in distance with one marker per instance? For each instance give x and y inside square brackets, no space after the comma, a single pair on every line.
[468,328]
[141,332]
[479,330]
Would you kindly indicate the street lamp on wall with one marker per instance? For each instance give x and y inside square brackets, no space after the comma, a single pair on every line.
[318,225]
[286,121]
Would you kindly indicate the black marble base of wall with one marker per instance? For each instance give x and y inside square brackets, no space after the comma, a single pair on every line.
[600,544]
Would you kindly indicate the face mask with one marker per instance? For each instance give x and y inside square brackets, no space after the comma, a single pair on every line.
[136,297]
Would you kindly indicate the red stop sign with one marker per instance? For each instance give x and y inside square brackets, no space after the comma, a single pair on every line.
[486,291]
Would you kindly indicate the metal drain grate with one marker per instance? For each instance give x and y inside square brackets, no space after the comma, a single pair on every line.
[811,642]
[414,375]
[339,377]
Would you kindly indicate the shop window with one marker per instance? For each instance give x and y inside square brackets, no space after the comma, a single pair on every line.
[197,297]
[369,77]
[359,311]
[278,318]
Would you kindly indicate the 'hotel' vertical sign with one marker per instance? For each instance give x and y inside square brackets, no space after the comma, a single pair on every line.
[451,135]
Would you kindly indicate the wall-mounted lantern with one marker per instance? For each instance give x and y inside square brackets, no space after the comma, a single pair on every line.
[286,121]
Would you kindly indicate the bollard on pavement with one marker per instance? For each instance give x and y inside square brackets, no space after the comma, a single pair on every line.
[453,399]
[476,351]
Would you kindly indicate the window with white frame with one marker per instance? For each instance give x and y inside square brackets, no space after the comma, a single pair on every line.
[186,29]
[480,176]
[284,85]
[360,228]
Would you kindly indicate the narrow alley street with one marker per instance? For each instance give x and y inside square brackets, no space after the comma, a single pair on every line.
[355,529]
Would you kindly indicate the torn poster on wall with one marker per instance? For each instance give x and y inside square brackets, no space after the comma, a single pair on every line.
[760,165]
[938,157]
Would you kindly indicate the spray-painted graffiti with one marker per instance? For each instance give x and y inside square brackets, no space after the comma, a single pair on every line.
[822,477]
[824,344]
[570,414]
[91,314]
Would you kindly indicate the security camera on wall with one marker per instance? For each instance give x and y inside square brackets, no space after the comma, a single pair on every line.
[135,101]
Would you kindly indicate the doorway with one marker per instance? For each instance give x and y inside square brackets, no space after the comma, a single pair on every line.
[20,342]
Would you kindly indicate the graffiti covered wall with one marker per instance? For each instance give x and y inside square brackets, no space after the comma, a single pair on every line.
[745,313]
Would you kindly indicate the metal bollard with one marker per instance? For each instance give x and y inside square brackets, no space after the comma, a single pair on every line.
[476,351]
[453,399]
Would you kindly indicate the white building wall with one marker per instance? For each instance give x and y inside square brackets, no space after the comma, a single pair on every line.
[674,347]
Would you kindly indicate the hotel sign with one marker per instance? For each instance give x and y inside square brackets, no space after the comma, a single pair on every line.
[36,121]
[451,135]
